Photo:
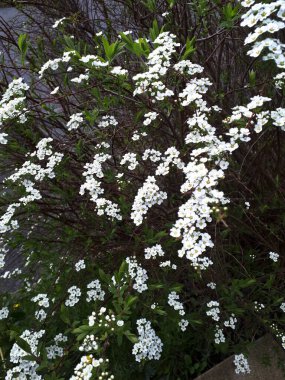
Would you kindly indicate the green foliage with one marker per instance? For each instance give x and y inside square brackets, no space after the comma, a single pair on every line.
[23,45]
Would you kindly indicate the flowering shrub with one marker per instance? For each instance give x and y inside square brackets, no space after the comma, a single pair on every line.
[121,167]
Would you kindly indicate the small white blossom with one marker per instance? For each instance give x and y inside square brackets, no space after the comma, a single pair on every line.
[80,265]
[214,310]
[74,296]
[75,121]
[241,364]
[4,312]
[274,256]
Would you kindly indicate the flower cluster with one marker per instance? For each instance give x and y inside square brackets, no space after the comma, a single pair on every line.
[3,252]
[55,350]
[17,356]
[85,368]
[42,301]
[260,17]
[212,285]
[38,172]
[258,306]
[90,343]
[106,121]
[137,273]
[74,296]
[131,159]
[214,310]
[241,364]
[148,195]
[149,345]
[4,312]
[93,186]
[12,105]
[273,256]
[74,121]
[117,70]
[153,252]
[173,300]
[53,64]
[158,64]
[80,265]
[95,292]
[219,335]
[231,322]
[183,324]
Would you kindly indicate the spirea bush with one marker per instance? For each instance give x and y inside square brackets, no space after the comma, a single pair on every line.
[148,214]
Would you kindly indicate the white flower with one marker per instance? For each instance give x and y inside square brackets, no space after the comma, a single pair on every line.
[183,324]
[95,60]
[89,343]
[3,139]
[117,70]
[211,285]
[41,299]
[231,322]
[147,196]
[25,366]
[241,364]
[214,310]
[75,121]
[131,159]
[219,335]
[153,252]
[138,274]
[74,296]
[274,256]
[4,312]
[55,91]
[120,323]
[80,265]
[58,22]
[81,78]
[149,117]
[173,300]
[106,121]
[149,345]
[95,292]
[40,315]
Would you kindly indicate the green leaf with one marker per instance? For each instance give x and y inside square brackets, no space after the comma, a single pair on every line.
[154,31]
[23,46]
[24,345]
[103,276]
[64,314]
[111,50]
[22,41]
[230,15]
[189,48]
[150,5]
[252,77]
[122,270]
[131,300]
[132,337]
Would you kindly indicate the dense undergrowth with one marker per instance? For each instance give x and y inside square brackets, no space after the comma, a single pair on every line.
[143,183]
